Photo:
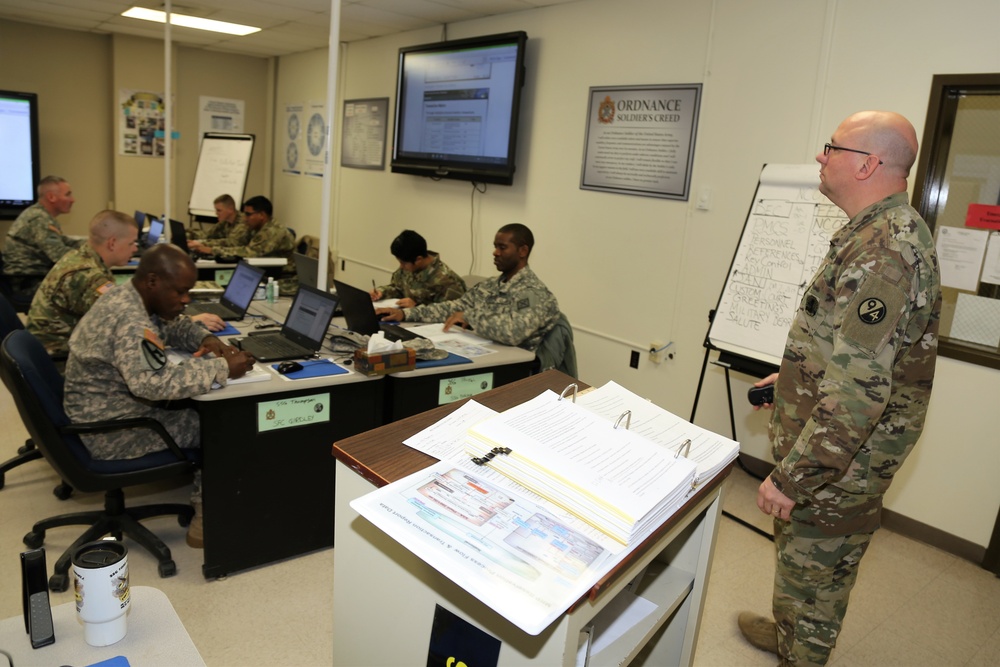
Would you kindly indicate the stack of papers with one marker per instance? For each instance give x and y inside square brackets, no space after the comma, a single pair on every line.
[522,554]
[615,480]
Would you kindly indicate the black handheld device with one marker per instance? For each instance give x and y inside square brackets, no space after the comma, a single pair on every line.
[761,395]
[37,613]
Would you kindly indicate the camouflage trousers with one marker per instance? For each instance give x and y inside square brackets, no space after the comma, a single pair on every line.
[812,584]
[182,425]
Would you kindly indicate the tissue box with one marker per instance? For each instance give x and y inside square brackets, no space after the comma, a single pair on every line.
[386,362]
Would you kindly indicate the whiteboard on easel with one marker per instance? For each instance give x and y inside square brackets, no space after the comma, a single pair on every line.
[223,167]
[785,238]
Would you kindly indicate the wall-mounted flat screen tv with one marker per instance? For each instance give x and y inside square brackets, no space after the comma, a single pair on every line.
[18,152]
[457,106]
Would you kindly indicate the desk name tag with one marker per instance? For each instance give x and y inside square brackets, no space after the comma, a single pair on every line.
[455,389]
[292,412]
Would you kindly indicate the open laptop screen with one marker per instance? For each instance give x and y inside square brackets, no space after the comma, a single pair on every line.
[155,230]
[243,284]
[311,313]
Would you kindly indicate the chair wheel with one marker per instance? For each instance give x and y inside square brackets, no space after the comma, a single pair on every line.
[26,447]
[167,569]
[34,540]
[63,491]
[58,583]
[184,519]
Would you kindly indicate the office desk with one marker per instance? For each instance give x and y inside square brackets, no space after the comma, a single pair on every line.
[373,574]
[268,494]
[155,636]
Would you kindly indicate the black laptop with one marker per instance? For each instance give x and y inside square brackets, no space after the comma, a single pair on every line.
[360,314]
[236,299]
[303,331]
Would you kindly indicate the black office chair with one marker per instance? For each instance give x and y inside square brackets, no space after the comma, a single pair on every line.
[37,388]
[21,302]
[9,321]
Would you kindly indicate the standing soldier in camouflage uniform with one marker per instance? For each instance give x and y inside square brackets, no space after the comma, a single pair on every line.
[267,238]
[230,230]
[853,387]
[421,277]
[36,241]
[515,309]
[118,366]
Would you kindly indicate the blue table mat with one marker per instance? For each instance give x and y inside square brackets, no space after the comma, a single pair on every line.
[451,360]
[314,368]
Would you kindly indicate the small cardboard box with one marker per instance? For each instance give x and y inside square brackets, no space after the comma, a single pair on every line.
[380,364]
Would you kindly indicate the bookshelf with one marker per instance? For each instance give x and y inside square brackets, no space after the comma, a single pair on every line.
[385,597]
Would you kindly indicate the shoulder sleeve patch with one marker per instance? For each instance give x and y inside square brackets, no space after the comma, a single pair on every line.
[523,303]
[871,316]
[101,289]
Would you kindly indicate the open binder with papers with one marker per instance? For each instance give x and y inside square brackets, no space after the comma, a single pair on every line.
[530,531]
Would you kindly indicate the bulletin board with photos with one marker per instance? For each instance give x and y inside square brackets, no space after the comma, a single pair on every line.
[957,191]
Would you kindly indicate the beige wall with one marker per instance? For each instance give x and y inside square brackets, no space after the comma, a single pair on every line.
[778,77]
[70,71]
[78,77]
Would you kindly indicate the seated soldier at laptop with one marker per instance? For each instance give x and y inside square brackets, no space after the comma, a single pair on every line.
[267,238]
[421,277]
[80,277]
[515,309]
[230,230]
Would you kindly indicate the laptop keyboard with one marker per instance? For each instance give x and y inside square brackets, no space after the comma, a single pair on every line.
[267,347]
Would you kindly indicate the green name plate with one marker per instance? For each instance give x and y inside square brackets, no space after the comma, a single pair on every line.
[291,412]
[222,276]
[455,389]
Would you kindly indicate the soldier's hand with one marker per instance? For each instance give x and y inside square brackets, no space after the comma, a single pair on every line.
[375,294]
[456,318]
[210,321]
[406,303]
[773,502]
[390,314]
[770,379]
[211,344]
[240,362]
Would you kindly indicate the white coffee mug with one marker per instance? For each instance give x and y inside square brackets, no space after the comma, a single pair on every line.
[100,580]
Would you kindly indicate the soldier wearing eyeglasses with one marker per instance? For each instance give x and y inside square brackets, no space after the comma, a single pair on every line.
[852,390]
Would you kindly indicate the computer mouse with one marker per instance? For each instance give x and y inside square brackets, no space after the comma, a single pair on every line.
[286,367]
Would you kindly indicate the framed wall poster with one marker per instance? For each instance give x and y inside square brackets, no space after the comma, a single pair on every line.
[640,139]
[362,144]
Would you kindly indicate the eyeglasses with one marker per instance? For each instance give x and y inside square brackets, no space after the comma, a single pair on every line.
[830,147]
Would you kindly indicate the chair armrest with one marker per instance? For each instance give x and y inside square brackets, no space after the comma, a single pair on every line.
[112,425]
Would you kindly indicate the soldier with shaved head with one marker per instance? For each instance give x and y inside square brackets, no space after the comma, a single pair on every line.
[852,391]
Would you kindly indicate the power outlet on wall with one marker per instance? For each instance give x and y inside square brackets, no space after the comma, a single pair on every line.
[634,361]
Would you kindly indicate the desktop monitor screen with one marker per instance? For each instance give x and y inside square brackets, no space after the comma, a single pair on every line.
[457,106]
[19,171]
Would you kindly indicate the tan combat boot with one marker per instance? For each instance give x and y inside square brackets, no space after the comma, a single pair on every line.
[759,631]
[196,529]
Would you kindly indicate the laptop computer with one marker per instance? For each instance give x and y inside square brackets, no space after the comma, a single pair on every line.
[178,235]
[154,233]
[303,331]
[307,269]
[360,314]
[236,298]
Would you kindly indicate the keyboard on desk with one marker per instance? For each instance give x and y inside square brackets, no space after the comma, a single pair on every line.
[273,347]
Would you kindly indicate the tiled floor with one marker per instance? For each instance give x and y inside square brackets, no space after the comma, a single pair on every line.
[913,605]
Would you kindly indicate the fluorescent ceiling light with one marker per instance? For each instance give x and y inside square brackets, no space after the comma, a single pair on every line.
[190,21]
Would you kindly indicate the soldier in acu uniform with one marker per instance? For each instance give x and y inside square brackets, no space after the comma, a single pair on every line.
[230,230]
[515,309]
[118,368]
[853,387]
[36,241]
[421,277]
[81,276]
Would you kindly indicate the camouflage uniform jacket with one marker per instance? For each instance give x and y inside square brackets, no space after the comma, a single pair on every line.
[858,366]
[518,312]
[34,243]
[228,234]
[271,240]
[117,365]
[65,295]
[433,284]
